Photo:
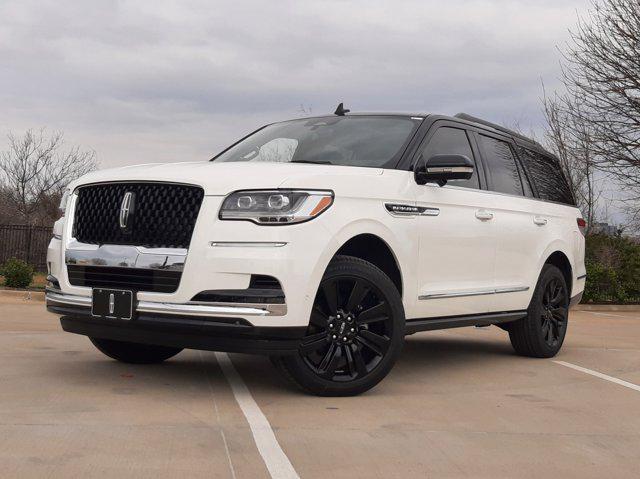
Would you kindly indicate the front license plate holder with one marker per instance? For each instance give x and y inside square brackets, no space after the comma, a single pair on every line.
[112,303]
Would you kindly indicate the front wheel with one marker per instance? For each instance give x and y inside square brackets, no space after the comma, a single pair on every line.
[134,353]
[541,333]
[355,335]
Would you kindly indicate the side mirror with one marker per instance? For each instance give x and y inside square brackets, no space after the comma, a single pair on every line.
[442,168]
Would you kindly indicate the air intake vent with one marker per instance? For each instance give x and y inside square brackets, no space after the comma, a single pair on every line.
[153,280]
[259,281]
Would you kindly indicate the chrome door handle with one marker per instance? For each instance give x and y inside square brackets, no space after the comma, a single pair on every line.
[484,215]
[539,220]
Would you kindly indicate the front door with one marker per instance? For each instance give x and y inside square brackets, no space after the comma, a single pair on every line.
[457,236]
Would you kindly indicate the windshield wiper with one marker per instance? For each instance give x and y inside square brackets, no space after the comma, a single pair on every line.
[313,162]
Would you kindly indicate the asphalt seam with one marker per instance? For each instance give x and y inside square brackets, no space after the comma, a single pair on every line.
[215,407]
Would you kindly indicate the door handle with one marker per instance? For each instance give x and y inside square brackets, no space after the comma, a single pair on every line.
[539,220]
[484,215]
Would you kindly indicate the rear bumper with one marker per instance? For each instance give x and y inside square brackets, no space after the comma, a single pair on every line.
[231,334]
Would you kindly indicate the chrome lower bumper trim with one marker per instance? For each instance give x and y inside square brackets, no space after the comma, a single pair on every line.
[72,299]
[185,309]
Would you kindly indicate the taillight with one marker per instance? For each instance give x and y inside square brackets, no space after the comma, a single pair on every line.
[582,225]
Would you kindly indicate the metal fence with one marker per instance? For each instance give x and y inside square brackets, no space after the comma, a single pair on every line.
[28,243]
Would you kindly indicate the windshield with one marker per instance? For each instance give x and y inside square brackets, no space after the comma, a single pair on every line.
[373,141]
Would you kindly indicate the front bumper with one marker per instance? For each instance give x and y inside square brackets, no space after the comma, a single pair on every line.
[223,255]
[182,326]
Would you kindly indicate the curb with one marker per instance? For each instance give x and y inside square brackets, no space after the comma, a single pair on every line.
[607,307]
[23,295]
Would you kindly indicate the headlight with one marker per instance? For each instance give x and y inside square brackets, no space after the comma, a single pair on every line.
[64,200]
[275,207]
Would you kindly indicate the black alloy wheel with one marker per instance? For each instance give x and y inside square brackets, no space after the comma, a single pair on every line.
[355,331]
[541,333]
[554,312]
[351,329]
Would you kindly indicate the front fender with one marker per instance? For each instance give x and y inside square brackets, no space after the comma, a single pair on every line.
[399,241]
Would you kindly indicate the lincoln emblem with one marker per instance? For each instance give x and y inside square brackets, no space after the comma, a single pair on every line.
[126,208]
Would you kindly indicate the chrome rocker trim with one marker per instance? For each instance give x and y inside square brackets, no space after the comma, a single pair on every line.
[480,292]
[184,309]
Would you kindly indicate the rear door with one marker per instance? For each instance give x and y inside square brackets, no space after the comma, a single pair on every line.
[521,225]
[457,237]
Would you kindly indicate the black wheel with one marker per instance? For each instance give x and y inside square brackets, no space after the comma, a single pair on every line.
[355,334]
[134,353]
[542,332]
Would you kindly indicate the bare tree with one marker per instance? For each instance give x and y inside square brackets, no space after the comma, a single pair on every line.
[572,140]
[602,77]
[35,170]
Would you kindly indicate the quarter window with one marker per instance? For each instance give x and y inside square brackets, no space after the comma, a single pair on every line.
[502,166]
[546,174]
[452,141]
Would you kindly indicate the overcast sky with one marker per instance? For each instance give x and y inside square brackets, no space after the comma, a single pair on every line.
[155,81]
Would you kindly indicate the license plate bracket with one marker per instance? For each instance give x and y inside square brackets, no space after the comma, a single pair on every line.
[112,303]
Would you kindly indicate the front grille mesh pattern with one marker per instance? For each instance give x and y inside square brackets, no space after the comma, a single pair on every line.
[152,280]
[163,215]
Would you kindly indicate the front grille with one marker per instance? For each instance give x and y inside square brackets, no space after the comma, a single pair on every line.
[162,215]
[153,280]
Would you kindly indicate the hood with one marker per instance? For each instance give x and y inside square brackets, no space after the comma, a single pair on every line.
[220,179]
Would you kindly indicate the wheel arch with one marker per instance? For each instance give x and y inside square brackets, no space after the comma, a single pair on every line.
[375,250]
[561,261]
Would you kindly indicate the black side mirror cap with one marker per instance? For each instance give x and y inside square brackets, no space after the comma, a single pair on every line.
[442,168]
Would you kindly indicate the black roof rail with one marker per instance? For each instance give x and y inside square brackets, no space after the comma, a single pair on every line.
[515,134]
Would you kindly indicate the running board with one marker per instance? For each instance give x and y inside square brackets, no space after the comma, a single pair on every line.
[431,324]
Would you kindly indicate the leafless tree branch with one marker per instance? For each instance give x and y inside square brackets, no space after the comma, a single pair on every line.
[35,169]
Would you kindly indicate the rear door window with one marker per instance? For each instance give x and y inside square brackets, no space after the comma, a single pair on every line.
[546,174]
[452,141]
[501,163]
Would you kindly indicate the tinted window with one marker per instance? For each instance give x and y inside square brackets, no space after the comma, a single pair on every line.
[528,191]
[452,141]
[374,141]
[502,167]
[547,175]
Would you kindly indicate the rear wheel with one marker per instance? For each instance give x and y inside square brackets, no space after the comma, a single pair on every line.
[134,353]
[542,332]
[355,334]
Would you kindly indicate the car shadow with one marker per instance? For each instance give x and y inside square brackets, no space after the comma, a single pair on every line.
[423,354]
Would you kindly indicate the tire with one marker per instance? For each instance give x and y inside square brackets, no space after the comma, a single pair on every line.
[134,353]
[541,333]
[355,334]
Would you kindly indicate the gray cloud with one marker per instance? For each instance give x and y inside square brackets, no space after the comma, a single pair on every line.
[172,81]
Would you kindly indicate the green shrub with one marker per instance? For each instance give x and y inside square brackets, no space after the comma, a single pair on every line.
[17,273]
[613,270]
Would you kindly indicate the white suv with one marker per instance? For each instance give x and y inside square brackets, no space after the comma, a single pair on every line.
[322,242]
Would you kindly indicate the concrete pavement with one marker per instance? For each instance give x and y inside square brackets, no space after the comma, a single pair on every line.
[459,403]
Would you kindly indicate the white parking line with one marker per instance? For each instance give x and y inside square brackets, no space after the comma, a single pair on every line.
[607,314]
[275,459]
[626,384]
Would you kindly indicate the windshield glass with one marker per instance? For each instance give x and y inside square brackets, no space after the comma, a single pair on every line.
[373,141]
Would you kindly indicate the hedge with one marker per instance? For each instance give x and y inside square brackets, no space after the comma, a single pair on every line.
[613,270]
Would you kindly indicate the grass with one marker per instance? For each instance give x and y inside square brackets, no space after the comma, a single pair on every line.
[39,281]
